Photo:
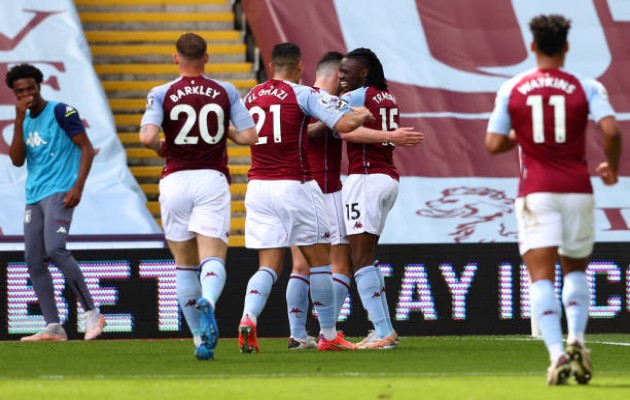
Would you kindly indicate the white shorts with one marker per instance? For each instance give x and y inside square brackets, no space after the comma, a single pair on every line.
[367,200]
[566,220]
[283,213]
[195,202]
[334,209]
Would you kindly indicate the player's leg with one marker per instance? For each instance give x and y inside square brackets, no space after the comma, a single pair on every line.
[340,250]
[368,199]
[297,297]
[57,221]
[540,230]
[342,269]
[176,203]
[256,295]
[39,273]
[578,238]
[210,221]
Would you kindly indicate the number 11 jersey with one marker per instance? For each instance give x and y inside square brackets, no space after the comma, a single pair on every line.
[548,110]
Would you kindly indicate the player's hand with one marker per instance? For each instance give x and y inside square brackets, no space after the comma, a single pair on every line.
[406,137]
[161,151]
[609,177]
[22,105]
[364,113]
[72,197]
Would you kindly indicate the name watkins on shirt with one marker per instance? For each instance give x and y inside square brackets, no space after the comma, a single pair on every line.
[544,82]
[188,90]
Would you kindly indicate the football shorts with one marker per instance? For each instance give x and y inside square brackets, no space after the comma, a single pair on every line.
[283,213]
[195,202]
[566,220]
[367,199]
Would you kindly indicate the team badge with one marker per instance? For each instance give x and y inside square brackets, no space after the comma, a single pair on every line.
[27,217]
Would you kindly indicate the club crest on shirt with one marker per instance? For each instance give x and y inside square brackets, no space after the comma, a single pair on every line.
[27,217]
[149,102]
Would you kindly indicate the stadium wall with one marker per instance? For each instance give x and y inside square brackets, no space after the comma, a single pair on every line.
[432,290]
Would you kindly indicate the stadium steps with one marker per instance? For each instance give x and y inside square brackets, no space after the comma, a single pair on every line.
[132,45]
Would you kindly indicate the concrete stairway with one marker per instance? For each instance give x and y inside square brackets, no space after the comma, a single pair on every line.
[132,42]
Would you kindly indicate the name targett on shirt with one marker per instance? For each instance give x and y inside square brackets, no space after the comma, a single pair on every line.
[188,90]
[382,96]
[279,93]
[545,82]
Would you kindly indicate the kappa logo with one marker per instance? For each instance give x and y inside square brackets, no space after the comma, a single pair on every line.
[295,310]
[210,273]
[34,140]
[317,303]
[254,291]
[358,225]
[191,303]
[62,229]
[376,295]
[477,213]
[326,235]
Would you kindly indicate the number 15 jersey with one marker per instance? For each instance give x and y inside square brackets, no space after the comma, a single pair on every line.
[548,110]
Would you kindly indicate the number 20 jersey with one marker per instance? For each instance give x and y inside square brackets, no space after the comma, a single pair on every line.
[195,113]
[548,110]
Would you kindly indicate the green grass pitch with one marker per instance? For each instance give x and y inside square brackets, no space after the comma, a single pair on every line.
[450,367]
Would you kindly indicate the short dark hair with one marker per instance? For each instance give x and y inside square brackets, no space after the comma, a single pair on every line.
[550,33]
[285,55]
[329,58]
[23,71]
[191,46]
[367,58]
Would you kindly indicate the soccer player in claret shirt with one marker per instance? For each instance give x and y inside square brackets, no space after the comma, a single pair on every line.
[371,189]
[324,157]
[547,110]
[285,206]
[194,112]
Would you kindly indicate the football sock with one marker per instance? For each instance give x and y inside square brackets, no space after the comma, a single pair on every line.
[297,304]
[188,291]
[323,297]
[381,280]
[258,289]
[546,310]
[576,299]
[212,278]
[341,285]
[369,287]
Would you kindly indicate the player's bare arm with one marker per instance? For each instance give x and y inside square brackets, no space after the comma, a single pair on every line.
[403,137]
[612,148]
[73,196]
[317,129]
[17,151]
[150,138]
[498,143]
[353,120]
[245,137]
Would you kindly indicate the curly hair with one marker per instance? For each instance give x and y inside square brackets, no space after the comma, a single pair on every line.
[376,75]
[23,71]
[550,33]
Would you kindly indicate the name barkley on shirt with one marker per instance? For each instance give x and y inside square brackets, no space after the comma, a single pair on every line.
[199,89]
